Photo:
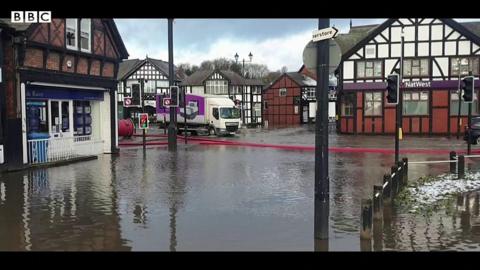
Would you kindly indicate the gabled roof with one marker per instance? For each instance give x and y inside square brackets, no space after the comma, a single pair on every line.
[128,67]
[6,23]
[359,36]
[300,79]
[199,77]
[117,38]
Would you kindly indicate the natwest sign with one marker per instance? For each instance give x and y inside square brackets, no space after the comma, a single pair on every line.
[417,84]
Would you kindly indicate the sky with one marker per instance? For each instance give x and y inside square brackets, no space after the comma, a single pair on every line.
[272,42]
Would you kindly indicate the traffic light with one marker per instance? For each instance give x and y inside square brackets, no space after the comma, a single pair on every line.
[135,94]
[467,87]
[174,96]
[181,98]
[393,86]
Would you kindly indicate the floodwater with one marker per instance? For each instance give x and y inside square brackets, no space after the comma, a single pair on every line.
[215,198]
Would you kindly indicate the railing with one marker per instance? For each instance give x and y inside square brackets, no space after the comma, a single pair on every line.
[63,148]
[372,209]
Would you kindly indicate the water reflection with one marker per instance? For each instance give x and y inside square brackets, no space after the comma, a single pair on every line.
[218,198]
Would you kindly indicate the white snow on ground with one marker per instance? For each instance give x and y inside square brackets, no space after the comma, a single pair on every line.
[443,186]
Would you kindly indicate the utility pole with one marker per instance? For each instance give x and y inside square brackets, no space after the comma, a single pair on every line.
[142,89]
[321,207]
[469,149]
[398,121]
[459,119]
[172,130]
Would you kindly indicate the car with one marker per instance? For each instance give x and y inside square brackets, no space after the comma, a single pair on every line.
[474,131]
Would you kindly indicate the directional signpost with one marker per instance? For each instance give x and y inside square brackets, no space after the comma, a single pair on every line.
[316,56]
[325,33]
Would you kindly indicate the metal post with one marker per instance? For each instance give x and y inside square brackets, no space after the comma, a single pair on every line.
[172,130]
[459,119]
[461,167]
[321,207]
[394,180]
[142,91]
[405,168]
[185,131]
[366,219]
[387,189]
[469,148]
[401,173]
[377,202]
[453,165]
[398,115]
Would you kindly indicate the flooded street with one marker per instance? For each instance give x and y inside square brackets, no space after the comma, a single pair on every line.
[213,198]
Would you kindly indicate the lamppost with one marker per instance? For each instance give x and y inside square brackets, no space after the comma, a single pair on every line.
[250,56]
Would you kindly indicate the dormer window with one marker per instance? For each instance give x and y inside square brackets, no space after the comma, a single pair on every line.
[71,33]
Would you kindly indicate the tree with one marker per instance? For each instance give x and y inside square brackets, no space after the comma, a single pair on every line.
[284,69]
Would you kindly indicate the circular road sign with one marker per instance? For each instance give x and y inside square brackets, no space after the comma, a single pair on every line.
[127,101]
[310,56]
[166,101]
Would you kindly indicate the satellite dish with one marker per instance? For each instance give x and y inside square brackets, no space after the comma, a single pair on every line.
[310,56]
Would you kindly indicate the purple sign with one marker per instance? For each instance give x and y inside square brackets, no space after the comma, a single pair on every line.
[450,84]
[195,107]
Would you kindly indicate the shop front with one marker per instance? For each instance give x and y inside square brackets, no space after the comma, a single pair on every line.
[63,122]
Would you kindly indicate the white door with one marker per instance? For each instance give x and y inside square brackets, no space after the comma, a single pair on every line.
[60,118]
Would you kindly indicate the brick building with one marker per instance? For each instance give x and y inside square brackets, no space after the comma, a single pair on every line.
[57,91]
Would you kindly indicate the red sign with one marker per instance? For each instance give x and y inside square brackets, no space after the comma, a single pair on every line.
[143,124]
[127,101]
[167,101]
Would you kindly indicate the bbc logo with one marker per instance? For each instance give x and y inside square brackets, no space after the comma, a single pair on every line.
[31,17]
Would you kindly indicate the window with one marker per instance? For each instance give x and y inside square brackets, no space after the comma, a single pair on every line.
[215,113]
[82,118]
[369,69]
[347,105]
[85,35]
[311,93]
[416,67]
[462,66]
[464,107]
[282,92]
[415,103]
[71,33]
[257,110]
[373,103]
[216,87]
[265,105]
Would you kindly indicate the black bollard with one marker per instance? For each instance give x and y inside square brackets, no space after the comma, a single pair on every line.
[377,202]
[366,219]
[393,171]
[453,165]
[461,167]
[387,189]
[401,174]
[405,175]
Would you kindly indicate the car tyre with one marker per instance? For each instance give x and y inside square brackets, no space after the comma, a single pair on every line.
[212,131]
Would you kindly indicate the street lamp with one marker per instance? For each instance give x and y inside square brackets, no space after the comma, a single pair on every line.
[250,55]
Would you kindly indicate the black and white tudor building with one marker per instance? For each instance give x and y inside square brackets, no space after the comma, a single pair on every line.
[436,53]
[153,74]
[247,93]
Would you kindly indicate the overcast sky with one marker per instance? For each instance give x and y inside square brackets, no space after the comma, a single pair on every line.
[273,42]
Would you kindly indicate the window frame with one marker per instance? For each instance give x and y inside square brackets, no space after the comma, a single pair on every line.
[475,104]
[419,100]
[450,65]
[89,36]
[411,59]
[373,101]
[75,46]
[282,90]
[373,69]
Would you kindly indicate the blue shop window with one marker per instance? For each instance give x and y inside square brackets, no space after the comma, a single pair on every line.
[37,121]
[82,118]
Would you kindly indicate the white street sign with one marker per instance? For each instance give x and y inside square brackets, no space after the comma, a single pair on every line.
[324,33]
